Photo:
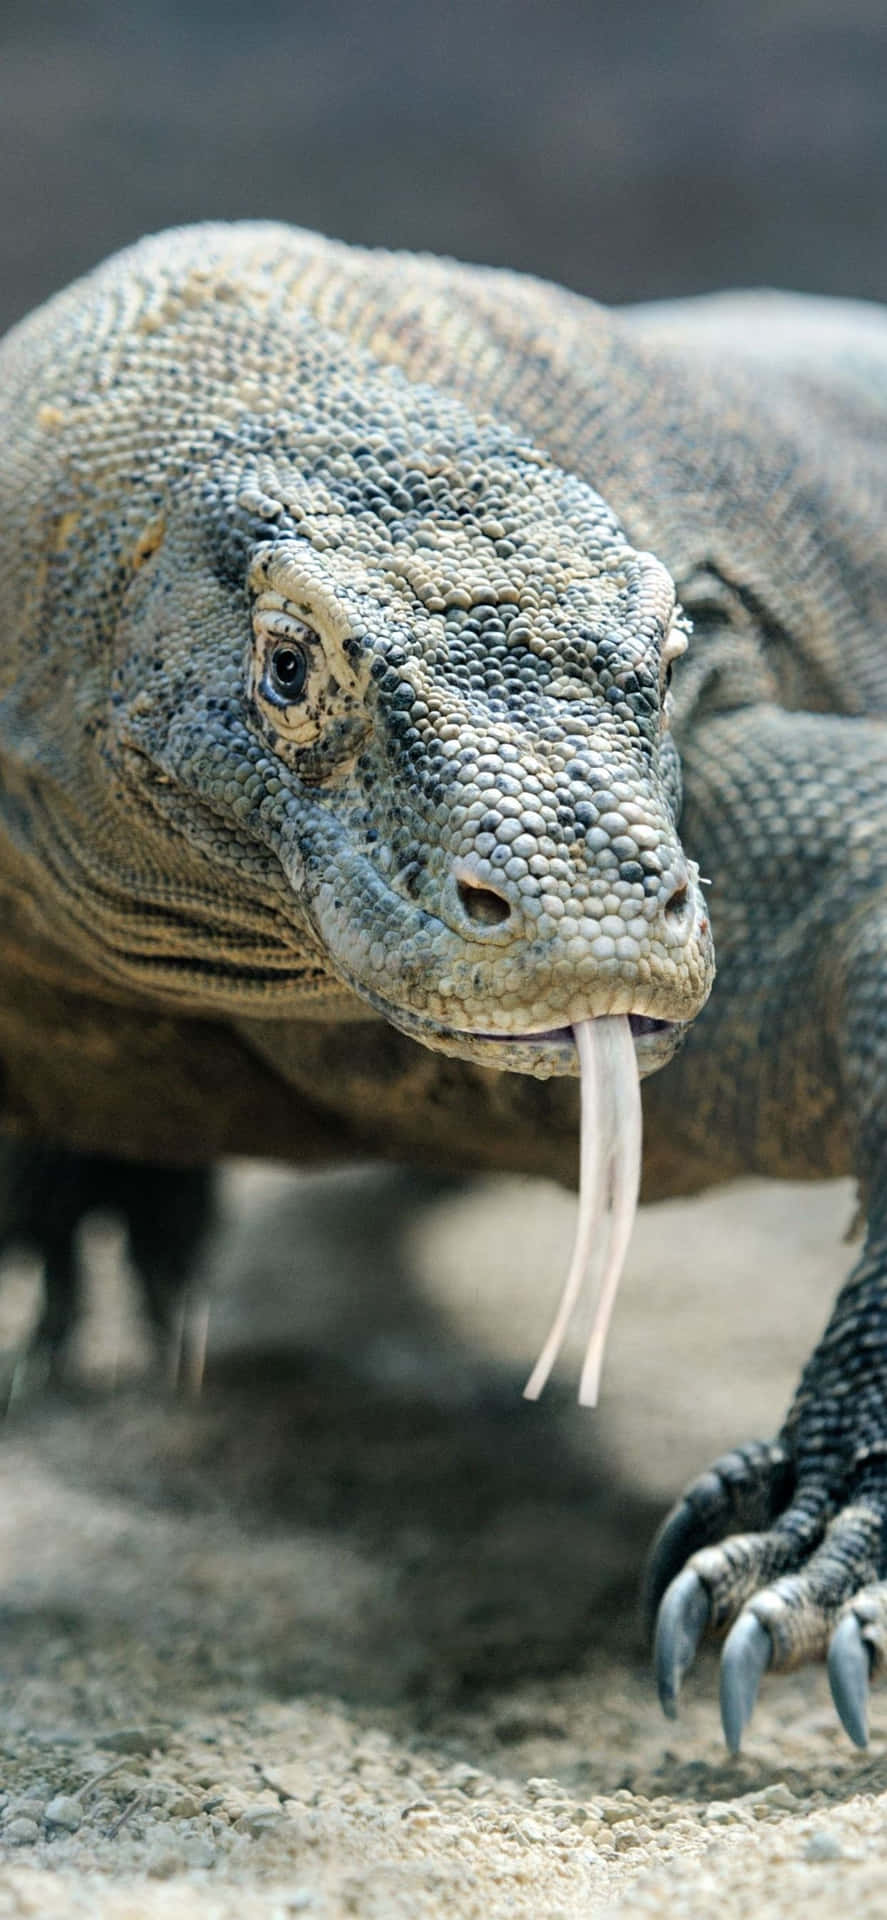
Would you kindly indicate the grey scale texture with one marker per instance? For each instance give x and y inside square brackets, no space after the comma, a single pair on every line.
[340,595]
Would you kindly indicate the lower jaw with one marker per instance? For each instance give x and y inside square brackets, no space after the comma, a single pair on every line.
[551,1051]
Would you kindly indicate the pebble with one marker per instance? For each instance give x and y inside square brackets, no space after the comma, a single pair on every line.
[532,1831]
[777,1795]
[64,1811]
[466,1778]
[258,1820]
[31,1805]
[21,1832]
[721,1813]
[539,1787]
[182,1806]
[616,1812]
[823,1845]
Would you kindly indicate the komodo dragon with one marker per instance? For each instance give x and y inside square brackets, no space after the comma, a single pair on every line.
[339,772]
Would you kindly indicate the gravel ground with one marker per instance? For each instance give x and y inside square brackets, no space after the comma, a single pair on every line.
[354,1633]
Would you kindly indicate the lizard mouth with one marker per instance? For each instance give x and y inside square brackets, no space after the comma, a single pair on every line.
[642,1026]
[545,1052]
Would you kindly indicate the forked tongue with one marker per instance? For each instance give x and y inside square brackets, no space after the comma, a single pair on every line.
[609,1177]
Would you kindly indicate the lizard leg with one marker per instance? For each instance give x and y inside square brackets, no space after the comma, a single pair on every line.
[168,1213]
[783,1548]
[40,1208]
[785,1589]
[45,1193]
[784,1593]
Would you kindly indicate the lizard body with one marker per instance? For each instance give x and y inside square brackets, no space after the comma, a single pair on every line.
[337,617]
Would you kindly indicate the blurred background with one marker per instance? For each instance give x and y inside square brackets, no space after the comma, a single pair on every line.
[629,150]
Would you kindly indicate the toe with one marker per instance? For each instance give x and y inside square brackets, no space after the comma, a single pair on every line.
[792,1621]
[781,1592]
[745,1489]
[708,1594]
[800,1609]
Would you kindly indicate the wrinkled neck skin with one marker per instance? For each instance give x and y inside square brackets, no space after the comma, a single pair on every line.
[370,709]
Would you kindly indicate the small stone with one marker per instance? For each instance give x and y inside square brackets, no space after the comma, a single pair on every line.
[259,1820]
[778,1795]
[466,1778]
[64,1811]
[541,1788]
[183,1806]
[532,1831]
[822,1845]
[293,1781]
[616,1812]
[21,1832]
[30,1804]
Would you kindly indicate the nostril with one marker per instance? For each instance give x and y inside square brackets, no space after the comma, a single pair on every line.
[482,904]
[678,906]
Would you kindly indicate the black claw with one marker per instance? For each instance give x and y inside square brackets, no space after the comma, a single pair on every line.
[747,1654]
[682,1532]
[849,1670]
[680,1625]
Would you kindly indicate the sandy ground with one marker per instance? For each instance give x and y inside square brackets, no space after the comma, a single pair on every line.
[355,1633]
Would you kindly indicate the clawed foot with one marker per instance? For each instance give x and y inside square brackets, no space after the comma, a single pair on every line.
[797,1580]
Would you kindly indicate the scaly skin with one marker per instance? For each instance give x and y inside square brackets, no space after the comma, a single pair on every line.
[333,685]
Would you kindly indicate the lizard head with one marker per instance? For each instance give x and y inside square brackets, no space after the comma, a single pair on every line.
[419,695]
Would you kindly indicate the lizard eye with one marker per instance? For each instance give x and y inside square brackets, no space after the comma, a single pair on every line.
[304,693]
[286,672]
[288,660]
[674,645]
